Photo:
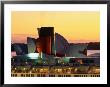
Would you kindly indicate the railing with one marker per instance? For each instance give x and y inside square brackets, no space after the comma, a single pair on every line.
[52,75]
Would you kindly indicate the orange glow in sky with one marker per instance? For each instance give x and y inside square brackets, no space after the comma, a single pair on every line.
[74,26]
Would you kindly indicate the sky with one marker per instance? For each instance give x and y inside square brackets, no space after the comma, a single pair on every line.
[75,26]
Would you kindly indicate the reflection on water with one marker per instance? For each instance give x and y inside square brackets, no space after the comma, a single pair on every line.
[89,52]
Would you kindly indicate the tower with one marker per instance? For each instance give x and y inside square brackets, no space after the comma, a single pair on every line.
[46,40]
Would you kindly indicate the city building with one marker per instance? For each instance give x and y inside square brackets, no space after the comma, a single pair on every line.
[46,40]
[31,43]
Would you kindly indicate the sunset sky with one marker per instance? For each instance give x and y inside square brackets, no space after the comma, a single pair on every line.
[74,26]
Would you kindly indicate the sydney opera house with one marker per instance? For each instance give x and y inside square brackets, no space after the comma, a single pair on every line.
[51,49]
[49,43]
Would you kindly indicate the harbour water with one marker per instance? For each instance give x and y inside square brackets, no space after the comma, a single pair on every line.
[89,52]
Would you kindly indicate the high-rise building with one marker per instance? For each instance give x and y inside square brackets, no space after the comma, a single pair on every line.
[45,41]
[31,43]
